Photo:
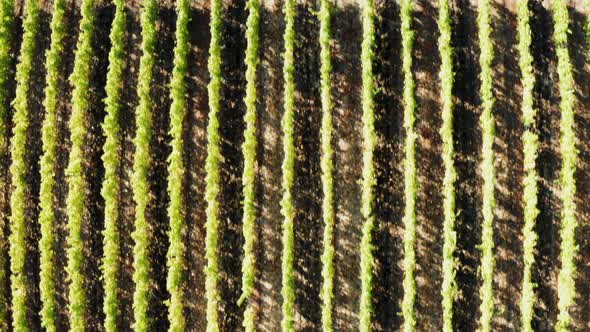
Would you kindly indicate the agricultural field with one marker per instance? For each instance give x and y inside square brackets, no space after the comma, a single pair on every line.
[294,165]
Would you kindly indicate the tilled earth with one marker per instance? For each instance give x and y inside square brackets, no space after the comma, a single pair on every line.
[346,86]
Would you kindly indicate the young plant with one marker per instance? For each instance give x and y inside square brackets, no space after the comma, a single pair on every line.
[529,141]
[249,152]
[566,289]
[368,181]
[487,124]
[19,167]
[54,68]
[287,167]
[77,184]
[449,286]
[111,185]
[326,163]
[141,168]
[6,35]
[175,258]
[410,182]
[212,168]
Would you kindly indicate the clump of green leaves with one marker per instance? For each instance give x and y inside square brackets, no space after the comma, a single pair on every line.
[287,167]
[410,182]
[47,243]
[449,286]
[566,289]
[249,152]
[111,185]
[77,184]
[6,35]
[212,169]
[487,124]
[18,168]
[368,180]
[326,163]
[175,258]
[529,140]
[141,167]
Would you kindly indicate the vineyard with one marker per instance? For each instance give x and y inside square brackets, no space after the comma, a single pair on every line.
[294,165]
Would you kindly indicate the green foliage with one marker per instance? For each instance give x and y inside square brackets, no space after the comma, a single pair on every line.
[249,152]
[212,169]
[449,286]
[327,290]
[47,243]
[566,289]
[287,167]
[18,169]
[410,182]
[77,184]
[175,259]
[529,140]
[111,185]
[141,168]
[368,181]
[486,120]
[6,35]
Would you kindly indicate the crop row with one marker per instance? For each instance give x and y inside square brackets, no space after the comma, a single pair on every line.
[249,152]
[141,167]
[566,290]
[18,168]
[529,140]
[287,167]
[486,293]
[54,66]
[449,286]
[368,180]
[6,36]
[175,255]
[111,160]
[410,182]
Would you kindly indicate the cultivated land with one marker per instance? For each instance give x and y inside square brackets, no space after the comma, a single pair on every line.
[170,140]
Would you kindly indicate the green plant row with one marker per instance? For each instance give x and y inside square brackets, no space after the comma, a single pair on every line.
[212,186]
[449,286]
[141,167]
[249,152]
[47,243]
[77,184]
[18,168]
[287,167]
[6,36]
[529,140]
[111,158]
[327,290]
[410,182]
[368,180]
[566,289]
[175,256]
[487,124]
